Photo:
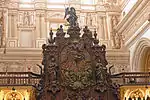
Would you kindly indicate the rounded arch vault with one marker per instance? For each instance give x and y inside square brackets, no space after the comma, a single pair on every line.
[141,58]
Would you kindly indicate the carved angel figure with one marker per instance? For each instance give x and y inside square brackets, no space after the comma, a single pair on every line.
[72,18]
[101,72]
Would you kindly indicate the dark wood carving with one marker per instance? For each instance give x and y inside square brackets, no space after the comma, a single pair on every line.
[75,68]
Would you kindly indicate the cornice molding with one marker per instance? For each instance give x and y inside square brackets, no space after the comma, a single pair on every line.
[125,22]
[35,54]
[135,23]
[138,33]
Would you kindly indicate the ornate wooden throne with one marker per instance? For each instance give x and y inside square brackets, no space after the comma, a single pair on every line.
[75,67]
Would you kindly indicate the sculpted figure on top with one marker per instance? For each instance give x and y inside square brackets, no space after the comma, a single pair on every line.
[72,18]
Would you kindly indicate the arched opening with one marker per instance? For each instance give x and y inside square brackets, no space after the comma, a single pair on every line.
[145,59]
[141,58]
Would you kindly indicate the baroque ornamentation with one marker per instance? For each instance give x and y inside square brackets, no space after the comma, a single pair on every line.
[74,66]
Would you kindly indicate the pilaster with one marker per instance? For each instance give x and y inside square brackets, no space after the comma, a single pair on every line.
[13,23]
[40,28]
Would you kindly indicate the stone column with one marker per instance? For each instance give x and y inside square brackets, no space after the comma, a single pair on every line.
[40,33]
[111,31]
[9,25]
[43,26]
[37,24]
[100,25]
[105,28]
[13,24]
[40,6]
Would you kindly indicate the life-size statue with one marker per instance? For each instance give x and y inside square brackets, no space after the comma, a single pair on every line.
[72,17]
[75,66]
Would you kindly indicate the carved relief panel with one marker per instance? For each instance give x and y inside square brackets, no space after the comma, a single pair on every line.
[91,19]
[76,66]
[26,18]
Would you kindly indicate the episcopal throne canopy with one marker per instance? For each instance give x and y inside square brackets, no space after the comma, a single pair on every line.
[74,66]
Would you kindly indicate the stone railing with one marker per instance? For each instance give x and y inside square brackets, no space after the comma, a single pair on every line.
[132,78]
[31,79]
[18,79]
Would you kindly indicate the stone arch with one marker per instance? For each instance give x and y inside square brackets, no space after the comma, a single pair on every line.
[141,57]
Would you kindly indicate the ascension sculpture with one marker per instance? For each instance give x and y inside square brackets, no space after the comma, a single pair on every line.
[74,66]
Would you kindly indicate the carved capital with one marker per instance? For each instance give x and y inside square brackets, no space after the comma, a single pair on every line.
[12,13]
[40,5]
[40,13]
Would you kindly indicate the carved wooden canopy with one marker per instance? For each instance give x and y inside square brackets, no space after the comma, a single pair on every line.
[75,68]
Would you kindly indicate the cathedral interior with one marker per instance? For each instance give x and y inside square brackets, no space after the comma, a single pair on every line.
[120,26]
